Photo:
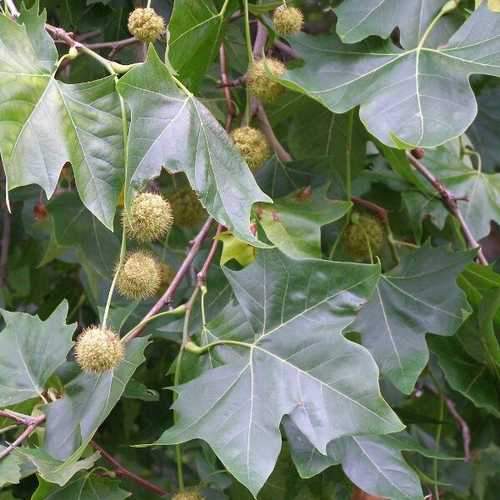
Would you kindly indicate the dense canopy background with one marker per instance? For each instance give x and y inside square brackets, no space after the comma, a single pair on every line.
[327,321]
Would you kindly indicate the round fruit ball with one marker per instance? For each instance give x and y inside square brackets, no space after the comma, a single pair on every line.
[288,20]
[149,218]
[98,350]
[146,25]
[252,145]
[364,234]
[139,276]
[192,494]
[167,274]
[261,79]
[186,208]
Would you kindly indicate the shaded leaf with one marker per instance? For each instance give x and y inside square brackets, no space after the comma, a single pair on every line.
[405,86]
[87,487]
[466,375]
[85,127]
[294,356]
[419,296]
[195,30]
[359,20]
[10,469]
[52,470]
[173,129]
[294,223]
[88,400]
[30,352]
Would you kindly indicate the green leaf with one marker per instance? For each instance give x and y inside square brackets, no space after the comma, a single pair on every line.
[30,352]
[87,487]
[478,192]
[52,470]
[295,356]
[74,226]
[359,20]
[482,132]
[419,296]
[466,375]
[233,248]
[88,400]
[195,31]
[173,129]
[294,223]
[404,86]
[85,126]
[10,469]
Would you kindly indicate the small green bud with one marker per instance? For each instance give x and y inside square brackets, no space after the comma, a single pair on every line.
[186,208]
[363,234]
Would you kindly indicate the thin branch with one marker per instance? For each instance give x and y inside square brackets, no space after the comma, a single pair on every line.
[450,202]
[116,45]
[280,151]
[169,294]
[286,49]
[379,211]
[259,43]
[4,253]
[31,422]
[202,275]
[460,421]
[122,471]
[231,108]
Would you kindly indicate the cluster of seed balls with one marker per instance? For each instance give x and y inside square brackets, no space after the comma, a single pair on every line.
[141,275]
[151,217]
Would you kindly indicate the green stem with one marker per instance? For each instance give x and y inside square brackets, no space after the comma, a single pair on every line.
[446,9]
[248,40]
[196,349]
[178,311]
[348,154]
[123,246]
[177,380]
[438,443]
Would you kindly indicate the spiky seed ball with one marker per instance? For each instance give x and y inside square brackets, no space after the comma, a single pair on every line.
[364,233]
[288,20]
[187,209]
[139,277]
[98,350]
[166,276]
[252,145]
[193,494]
[146,25]
[260,79]
[149,219]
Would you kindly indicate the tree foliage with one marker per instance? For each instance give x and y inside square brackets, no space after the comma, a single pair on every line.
[288,352]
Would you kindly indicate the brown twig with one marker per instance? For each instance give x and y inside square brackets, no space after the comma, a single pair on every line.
[286,49]
[231,108]
[167,297]
[260,41]
[268,131]
[122,471]
[450,202]
[31,424]
[201,277]
[461,423]
[379,211]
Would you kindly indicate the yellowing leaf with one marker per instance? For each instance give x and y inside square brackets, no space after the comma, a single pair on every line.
[233,248]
